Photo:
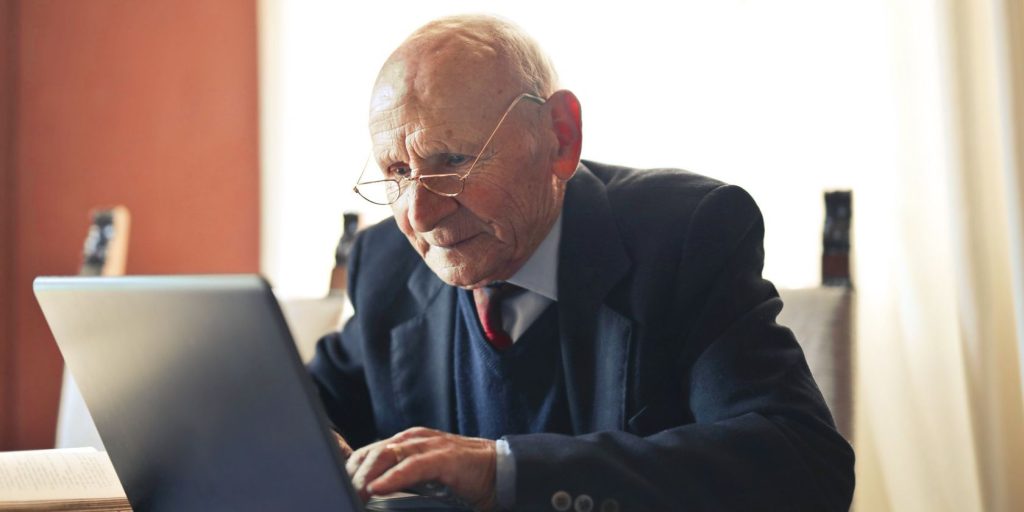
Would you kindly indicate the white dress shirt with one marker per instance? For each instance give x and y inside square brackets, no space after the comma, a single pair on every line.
[539,278]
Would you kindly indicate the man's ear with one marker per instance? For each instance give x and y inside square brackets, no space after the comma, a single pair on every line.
[566,121]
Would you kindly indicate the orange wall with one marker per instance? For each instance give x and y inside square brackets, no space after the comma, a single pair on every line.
[148,104]
[7,37]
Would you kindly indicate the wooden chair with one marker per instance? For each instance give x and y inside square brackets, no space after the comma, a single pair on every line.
[105,254]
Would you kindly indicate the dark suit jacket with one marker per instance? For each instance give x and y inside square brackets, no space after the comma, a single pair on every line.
[682,390]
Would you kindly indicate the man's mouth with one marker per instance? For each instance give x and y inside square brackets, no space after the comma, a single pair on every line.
[453,244]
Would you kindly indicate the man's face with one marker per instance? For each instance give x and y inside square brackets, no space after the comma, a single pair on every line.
[425,122]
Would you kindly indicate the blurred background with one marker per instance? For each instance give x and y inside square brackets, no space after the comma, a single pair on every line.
[233,130]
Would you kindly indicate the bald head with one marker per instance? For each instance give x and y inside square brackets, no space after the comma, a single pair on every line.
[470,55]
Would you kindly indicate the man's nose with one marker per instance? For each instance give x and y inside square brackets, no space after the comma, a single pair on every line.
[425,208]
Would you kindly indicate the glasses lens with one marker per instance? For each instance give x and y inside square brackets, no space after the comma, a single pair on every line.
[445,184]
[380,192]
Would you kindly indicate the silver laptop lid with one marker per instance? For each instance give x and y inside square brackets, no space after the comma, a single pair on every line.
[198,392]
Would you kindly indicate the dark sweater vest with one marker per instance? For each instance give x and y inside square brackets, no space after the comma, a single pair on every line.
[518,391]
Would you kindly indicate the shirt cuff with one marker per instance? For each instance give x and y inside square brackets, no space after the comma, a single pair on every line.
[505,475]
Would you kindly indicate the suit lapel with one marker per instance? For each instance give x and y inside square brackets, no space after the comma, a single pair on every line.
[421,354]
[594,338]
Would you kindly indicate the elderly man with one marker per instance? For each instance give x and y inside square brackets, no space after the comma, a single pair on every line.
[538,332]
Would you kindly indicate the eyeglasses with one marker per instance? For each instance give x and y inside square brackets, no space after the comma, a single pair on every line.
[448,184]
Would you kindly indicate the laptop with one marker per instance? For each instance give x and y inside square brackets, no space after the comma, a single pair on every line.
[199,394]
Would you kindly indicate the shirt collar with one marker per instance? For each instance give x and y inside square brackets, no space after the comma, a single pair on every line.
[540,273]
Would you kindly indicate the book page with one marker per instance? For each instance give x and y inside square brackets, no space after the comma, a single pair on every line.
[51,475]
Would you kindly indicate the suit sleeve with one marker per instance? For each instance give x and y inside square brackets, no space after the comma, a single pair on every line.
[757,434]
[338,371]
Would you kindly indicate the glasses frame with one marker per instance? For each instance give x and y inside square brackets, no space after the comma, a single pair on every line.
[415,177]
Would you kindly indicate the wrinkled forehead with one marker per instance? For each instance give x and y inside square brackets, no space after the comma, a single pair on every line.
[442,82]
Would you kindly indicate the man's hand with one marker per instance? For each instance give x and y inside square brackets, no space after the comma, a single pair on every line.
[346,450]
[418,455]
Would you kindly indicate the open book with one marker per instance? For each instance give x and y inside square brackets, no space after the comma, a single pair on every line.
[67,479]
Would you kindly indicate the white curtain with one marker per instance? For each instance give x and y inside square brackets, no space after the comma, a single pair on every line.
[917,105]
[940,417]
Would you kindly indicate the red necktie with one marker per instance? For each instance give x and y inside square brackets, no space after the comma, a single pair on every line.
[488,308]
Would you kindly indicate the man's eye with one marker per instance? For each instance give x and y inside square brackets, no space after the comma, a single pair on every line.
[456,160]
[399,170]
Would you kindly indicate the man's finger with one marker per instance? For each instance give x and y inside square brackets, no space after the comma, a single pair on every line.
[411,471]
[346,450]
[415,433]
[401,440]
[358,456]
[353,462]
[369,459]
[381,458]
